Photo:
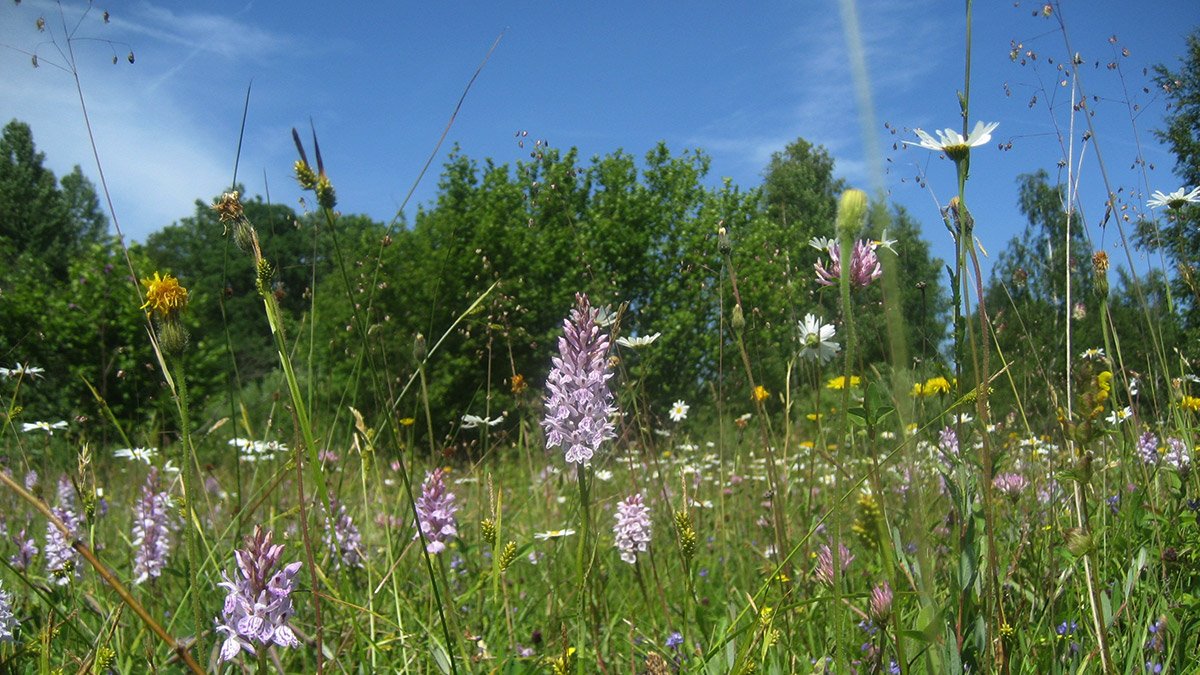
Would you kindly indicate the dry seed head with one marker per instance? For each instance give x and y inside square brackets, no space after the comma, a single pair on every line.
[229,207]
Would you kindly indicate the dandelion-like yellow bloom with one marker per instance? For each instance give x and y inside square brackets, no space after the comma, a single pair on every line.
[761,394]
[407,421]
[164,296]
[839,382]
[1191,403]
[935,386]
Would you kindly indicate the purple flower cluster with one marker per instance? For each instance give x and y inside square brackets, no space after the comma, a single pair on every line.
[151,530]
[258,605]
[864,265]
[881,602]
[27,548]
[1177,456]
[435,512]
[1147,448]
[1011,484]
[342,537]
[948,441]
[824,571]
[8,622]
[580,405]
[61,558]
[632,529]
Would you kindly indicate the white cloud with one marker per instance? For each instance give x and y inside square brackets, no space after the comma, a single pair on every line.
[819,97]
[161,143]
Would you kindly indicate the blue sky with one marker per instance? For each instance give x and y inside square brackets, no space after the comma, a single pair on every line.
[737,80]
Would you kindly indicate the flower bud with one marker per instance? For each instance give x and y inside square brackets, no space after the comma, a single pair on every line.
[851,213]
[739,319]
[172,336]
[419,351]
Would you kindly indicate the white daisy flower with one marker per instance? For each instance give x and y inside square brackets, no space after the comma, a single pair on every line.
[139,454]
[679,411]
[1118,416]
[475,421]
[22,369]
[552,534]
[884,242]
[952,143]
[633,341]
[816,339]
[1095,353]
[1175,200]
[47,427]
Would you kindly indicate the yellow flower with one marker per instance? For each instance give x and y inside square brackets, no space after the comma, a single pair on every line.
[407,421]
[1103,389]
[1191,403]
[935,385]
[813,417]
[517,383]
[760,393]
[839,382]
[916,390]
[165,296]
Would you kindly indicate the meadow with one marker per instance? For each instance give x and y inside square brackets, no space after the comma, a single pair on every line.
[599,418]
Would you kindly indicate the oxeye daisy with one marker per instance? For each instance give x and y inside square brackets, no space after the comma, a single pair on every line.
[816,339]
[679,411]
[1175,200]
[952,143]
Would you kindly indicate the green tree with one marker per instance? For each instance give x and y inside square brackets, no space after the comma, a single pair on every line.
[33,214]
[67,301]
[1175,231]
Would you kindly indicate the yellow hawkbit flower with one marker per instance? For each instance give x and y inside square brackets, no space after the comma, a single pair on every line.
[407,421]
[761,394]
[932,386]
[839,382]
[164,296]
[1191,403]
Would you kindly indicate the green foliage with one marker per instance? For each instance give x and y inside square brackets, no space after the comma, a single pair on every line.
[67,302]
[1175,232]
